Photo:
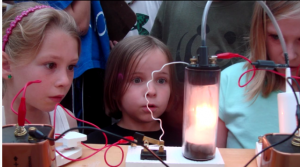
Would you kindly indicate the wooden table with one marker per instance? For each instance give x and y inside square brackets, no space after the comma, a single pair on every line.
[231,157]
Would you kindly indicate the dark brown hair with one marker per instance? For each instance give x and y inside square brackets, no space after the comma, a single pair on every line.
[123,60]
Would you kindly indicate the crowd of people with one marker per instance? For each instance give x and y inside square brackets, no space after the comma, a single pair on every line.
[65,43]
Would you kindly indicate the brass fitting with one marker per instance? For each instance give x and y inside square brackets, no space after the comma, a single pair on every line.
[213,60]
[193,60]
[260,139]
[20,130]
[296,139]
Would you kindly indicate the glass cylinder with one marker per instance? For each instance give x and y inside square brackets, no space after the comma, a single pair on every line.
[201,110]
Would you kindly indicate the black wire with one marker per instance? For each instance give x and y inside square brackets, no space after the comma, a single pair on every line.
[294,130]
[272,146]
[295,82]
[293,88]
[109,133]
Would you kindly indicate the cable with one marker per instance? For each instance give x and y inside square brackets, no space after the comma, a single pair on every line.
[57,137]
[80,121]
[204,20]
[289,135]
[22,106]
[106,153]
[293,88]
[157,119]
[272,146]
[232,55]
[39,136]
[80,158]
[283,75]
[298,86]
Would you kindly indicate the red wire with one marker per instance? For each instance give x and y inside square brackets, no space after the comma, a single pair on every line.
[29,83]
[14,99]
[81,121]
[97,150]
[80,159]
[232,55]
[115,144]
[265,70]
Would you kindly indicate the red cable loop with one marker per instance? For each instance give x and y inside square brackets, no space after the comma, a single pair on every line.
[232,55]
[115,144]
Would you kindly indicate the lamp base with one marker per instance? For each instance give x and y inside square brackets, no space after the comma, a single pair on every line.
[174,158]
[198,152]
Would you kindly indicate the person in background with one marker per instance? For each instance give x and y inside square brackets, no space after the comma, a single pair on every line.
[145,15]
[178,25]
[88,83]
[39,43]
[129,68]
[252,111]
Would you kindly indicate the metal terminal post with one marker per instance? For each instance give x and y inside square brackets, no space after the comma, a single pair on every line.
[30,138]
[296,139]
[260,139]
[193,60]
[145,154]
[20,130]
[213,60]
[148,140]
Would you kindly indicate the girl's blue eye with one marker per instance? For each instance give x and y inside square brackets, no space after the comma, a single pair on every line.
[161,81]
[137,80]
[71,67]
[51,65]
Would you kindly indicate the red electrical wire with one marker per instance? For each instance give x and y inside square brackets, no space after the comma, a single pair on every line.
[22,106]
[78,120]
[232,55]
[106,152]
[97,150]
[283,75]
[121,141]
[80,159]
[21,119]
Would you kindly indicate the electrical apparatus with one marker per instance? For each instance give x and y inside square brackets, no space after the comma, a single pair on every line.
[288,152]
[25,151]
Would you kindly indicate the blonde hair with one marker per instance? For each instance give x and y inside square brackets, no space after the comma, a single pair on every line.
[29,33]
[266,82]
[123,60]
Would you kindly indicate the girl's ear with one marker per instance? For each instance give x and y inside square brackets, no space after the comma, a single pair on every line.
[5,65]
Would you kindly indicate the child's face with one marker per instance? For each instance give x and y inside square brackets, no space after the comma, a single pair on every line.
[53,65]
[133,101]
[291,34]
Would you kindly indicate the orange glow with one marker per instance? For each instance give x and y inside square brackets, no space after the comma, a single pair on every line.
[202,112]
[205,117]
[203,129]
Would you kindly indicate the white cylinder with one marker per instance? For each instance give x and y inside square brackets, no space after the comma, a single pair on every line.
[287,112]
